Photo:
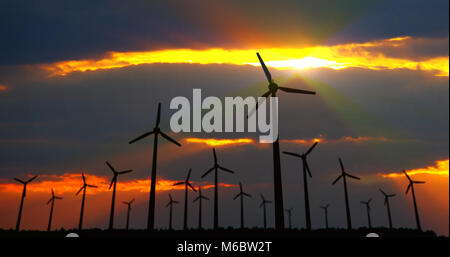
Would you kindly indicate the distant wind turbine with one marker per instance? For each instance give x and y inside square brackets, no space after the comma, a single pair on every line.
[411,186]
[263,205]
[156,131]
[187,185]
[241,194]
[386,203]
[199,198]
[325,209]
[278,187]
[367,204]
[113,184]
[83,188]
[289,211]
[170,204]
[216,168]
[344,176]
[24,192]
[128,212]
[305,182]
[52,201]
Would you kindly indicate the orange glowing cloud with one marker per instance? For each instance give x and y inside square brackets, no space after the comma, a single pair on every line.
[219,142]
[357,55]
[71,183]
[3,87]
[345,139]
[440,168]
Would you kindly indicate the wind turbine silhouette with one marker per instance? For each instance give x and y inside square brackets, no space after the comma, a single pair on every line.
[170,204]
[263,205]
[24,192]
[305,181]
[113,184]
[83,188]
[344,176]
[216,168]
[289,211]
[278,187]
[386,203]
[128,212]
[241,194]
[187,185]
[325,209]
[156,131]
[368,211]
[52,201]
[199,199]
[411,186]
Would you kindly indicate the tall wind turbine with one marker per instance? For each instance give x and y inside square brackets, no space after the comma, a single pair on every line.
[216,168]
[170,204]
[305,182]
[187,185]
[199,198]
[411,186]
[325,209]
[367,204]
[289,211]
[278,190]
[83,188]
[344,176]
[113,184]
[128,212]
[241,194]
[263,205]
[24,192]
[156,131]
[386,203]
[52,201]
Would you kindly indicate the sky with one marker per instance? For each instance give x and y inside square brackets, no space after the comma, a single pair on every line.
[80,79]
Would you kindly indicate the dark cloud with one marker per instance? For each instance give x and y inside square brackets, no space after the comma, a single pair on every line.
[46,31]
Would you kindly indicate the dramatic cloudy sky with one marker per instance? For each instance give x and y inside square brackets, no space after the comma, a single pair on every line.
[79,79]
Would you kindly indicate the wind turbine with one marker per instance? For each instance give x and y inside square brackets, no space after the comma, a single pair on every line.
[187,185]
[411,186]
[263,205]
[52,201]
[170,204]
[83,188]
[289,211]
[156,131]
[305,182]
[344,176]
[24,192]
[216,168]
[241,194]
[368,211]
[386,203]
[278,190]
[113,184]
[128,211]
[325,209]
[199,198]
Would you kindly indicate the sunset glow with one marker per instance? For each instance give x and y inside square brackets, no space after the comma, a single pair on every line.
[441,169]
[219,142]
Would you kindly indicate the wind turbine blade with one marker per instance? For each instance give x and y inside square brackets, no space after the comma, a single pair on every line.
[236,197]
[406,174]
[141,137]
[132,201]
[49,201]
[92,186]
[342,165]
[175,202]
[225,169]
[419,182]
[168,204]
[337,179]
[261,205]
[384,193]
[179,183]
[311,148]
[268,201]
[266,71]
[362,202]
[79,190]
[125,171]
[215,156]
[307,168]
[158,117]
[189,175]
[84,179]
[292,154]
[207,172]
[112,181]
[196,199]
[351,176]
[248,195]
[297,91]
[59,198]
[391,195]
[370,200]
[204,197]
[251,112]
[53,193]
[19,180]
[407,189]
[31,179]
[110,166]
[169,138]
[190,185]
[125,202]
